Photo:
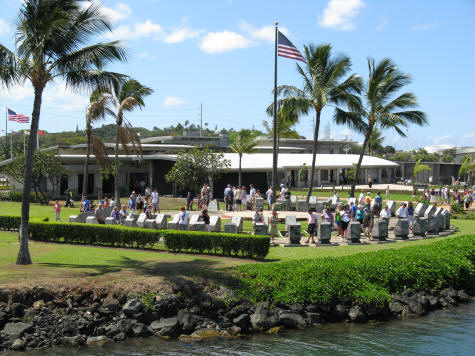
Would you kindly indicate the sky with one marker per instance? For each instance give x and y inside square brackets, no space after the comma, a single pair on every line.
[220,53]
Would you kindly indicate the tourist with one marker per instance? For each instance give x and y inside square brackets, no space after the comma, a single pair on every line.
[387,192]
[69,198]
[468,200]
[410,214]
[205,218]
[142,186]
[92,206]
[124,213]
[367,222]
[86,204]
[360,216]
[345,220]
[140,203]
[100,214]
[370,182]
[402,211]
[148,192]
[385,213]
[282,191]
[252,195]
[270,197]
[361,199]
[155,201]
[312,220]
[261,213]
[328,216]
[112,202]
[148,211]
[433,197]
[287,195]
[106,202]
[338,214]
[228,198]
[131,206]
[244,197]
[205,196]
[335,197]
[378,203]
[273,222]
[238,198]
[183,216]
[101,200]
[353,210]
[57,210]
[256,218]
[439,194]
[367,201]
[189,201]
[116,214]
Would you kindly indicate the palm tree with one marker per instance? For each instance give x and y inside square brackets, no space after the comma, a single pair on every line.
[286,119]
[382,111]
[323,85]
[99,107]
[50,43]
[375,141]
[418,168]
[467,167]
[243,143]
[131,96]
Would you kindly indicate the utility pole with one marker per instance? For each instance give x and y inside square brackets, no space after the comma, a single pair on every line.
[201,117]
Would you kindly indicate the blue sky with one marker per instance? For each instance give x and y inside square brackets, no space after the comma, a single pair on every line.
[220,53]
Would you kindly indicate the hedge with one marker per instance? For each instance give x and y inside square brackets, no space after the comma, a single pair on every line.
[9,222]
[215,242]
[17,197]
[368,278]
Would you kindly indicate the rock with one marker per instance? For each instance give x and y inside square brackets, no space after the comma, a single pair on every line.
[186,320]
[158,325]
[395,307]
[17,345]
[18,309]
[124,326]
[312,308]
[77,340]
[356,314]
[296,307]
[313,318]
[139,330]
[433,302]
[205,334]
[111,303]
[264,318]
[339,311]
[243,321]
[38,304]
[95,339]
[292,320]
[274,331]
[416,308]
[448,292]
[132,306]
[119,337]
[234,330]
[462,297]
[112,330]
[16,330]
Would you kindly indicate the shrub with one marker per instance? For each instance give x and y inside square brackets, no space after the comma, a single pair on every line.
[368,278]
[213,242]
[9,222]
[17,196]
[104,235]
[456,208]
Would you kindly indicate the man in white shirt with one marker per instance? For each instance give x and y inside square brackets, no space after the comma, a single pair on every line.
[402,211]
[155,201]
[252,195]
[385,213]
[183,217]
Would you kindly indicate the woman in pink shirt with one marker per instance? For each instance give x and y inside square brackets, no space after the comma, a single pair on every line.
[57,209]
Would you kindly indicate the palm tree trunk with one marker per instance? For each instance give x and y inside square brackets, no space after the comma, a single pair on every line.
[360,159]
[116,170]
[86,163]
[24,257]
[240,178]
[314,155]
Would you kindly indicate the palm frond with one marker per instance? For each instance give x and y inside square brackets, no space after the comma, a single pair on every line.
[100,152]
[352,119]
[129,139]
[9,73]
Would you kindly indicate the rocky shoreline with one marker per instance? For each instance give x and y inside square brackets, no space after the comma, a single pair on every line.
[39,318]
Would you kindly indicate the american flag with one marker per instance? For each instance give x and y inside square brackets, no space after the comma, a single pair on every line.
[287,49]
[13,116]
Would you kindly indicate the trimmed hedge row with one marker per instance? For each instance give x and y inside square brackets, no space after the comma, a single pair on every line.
[9,222]
[215,242]
[368,278]
[17,197]
[88,234]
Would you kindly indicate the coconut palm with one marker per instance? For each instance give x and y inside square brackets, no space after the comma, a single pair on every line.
[286,120]
[243,143]
[467,167]
[324,84]
[51,44]
[131,96]
[381,109]
[419,168]
[375,141]
[100,105]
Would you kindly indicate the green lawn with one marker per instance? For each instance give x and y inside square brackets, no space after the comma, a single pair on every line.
[344,194]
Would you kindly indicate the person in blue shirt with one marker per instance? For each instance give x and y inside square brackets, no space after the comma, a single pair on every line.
[378,198]
[87,204]
[352,211]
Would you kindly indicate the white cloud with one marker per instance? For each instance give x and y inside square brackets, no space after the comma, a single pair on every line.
[423,27]
[173,101]
[469,136]
[264,33]
[339,14]
[437,139]
[218,42]
[139,30]
[382,24]
[120,12]
[4,27]
[181,34]
[146,55]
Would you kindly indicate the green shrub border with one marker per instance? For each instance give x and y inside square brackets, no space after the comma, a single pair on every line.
[366,278]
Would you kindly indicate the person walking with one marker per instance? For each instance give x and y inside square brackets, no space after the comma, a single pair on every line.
[387,192]
[312,220]
[244,197]
[252,196]
[228,198]
[338,214]
[345,221]
[155,201]
[360,216]
[410,214]
[189,202]
[270,197]
[57,210]
[238,198]
[273,222]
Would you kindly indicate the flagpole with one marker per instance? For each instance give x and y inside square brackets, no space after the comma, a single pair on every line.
[274,147]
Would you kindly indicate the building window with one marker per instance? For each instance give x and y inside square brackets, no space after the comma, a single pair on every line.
[331,152]
[324,174]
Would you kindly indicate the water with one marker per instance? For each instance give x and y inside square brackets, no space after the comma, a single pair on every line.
[440,333]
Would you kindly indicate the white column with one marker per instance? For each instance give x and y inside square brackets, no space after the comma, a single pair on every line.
[319,177]
[380,175]
[337,178]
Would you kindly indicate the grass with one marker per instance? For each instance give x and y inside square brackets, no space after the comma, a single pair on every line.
[344,194]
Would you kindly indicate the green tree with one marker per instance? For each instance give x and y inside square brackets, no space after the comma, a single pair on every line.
[418,168]
[323,84]
[195,167]
[287,117]
[467,167]
[244,143]
[47,166]
[382,111]
[375,142]
[131,96]
[99,106]
[51,38]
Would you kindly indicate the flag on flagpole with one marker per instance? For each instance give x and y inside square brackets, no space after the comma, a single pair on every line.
[20,118]
[42,133]
[287,49]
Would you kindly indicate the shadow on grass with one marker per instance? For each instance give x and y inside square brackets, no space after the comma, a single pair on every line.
[175,272]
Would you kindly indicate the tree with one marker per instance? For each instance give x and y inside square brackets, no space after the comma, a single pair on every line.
[195,167]
[50,38]
[323,85]
[46,166]
[389,149]
[99,106]
[418,168]
[467,167]
[375,142]
[287,117]
[244,143]
[131,96]
[381,111]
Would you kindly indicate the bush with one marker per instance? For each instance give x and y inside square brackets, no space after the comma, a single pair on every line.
[17,196]
[89,234]
[9,222]
[213,242]
[456,208]
[368,278]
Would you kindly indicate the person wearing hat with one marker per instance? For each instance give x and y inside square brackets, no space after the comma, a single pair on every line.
[183,217]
